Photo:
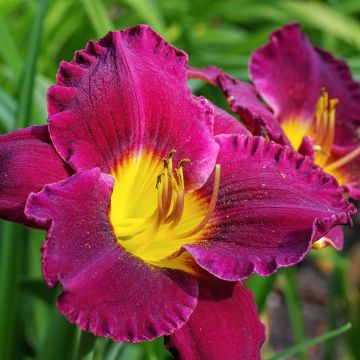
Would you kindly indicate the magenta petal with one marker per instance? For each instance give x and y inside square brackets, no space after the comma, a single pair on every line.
[208,74]
[348,174]
[28,161]
[106,290]
[244,101]
[334,238]
[273,205]
[126,94]
[306,148]
[224,325]
[286,74]
[289,74]
[224,123]
[336,78]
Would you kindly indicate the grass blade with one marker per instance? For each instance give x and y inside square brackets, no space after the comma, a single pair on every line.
[306,344]
[28,74]
[148,12]
[8,49]
[294,307]
[331,21]
[261,287]
[13,237]
[98,16]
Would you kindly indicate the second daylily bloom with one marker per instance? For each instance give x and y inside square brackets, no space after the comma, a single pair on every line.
[315,99]
[156,203]
[312,104]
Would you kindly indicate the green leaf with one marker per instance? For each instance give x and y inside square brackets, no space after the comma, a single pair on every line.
[148,13]
[327,19]
[13,237]
[39,289]
[26,84]
[86,346]
[294,307]
[261,287]
[114,351]
[7,110]
[98,16]
[11,251]
[8,49]
[61,339]
[306,344]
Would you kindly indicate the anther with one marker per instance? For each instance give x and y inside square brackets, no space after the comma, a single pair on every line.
[211,207]
[172,153]
[182,162]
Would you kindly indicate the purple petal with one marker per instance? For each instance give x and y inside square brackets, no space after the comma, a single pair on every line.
[286,74]
[273,205]
[224,325]
[127,94]
[289,74]
[208,74]
[106,290]
[306,148]
[244,101]
[348,174]
[224,123]
[28,161]
[334,238]
[336,78]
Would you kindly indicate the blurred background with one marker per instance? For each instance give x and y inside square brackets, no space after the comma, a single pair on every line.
[316,298]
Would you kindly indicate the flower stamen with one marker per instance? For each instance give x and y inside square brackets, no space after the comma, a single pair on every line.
[344,160]
[324,128]
[211,208]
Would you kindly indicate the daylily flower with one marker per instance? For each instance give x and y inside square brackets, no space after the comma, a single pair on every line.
[315,99]
[313,105]
[157,204]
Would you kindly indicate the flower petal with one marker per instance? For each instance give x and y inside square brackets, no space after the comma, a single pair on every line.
[224,123]
[127,94]
[336,78]
[334,238]
[28,161]
[273,205]
[106,290]
[244,101]
[224,325]
[348,174]
[289,74]
[208,74]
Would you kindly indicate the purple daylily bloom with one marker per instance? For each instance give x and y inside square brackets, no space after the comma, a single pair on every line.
[312,103]
[157,203]
[315,99]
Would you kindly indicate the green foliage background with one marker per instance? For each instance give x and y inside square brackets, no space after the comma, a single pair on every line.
[36,35]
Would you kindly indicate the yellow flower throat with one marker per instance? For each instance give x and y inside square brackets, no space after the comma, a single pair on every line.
[151,212]
[322,133]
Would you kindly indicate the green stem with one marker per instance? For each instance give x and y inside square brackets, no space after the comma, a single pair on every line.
[12,243]
[294,307]
[12,237]
[306,344]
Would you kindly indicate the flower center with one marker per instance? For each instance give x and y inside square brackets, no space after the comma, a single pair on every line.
[151,212]
[322,133]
